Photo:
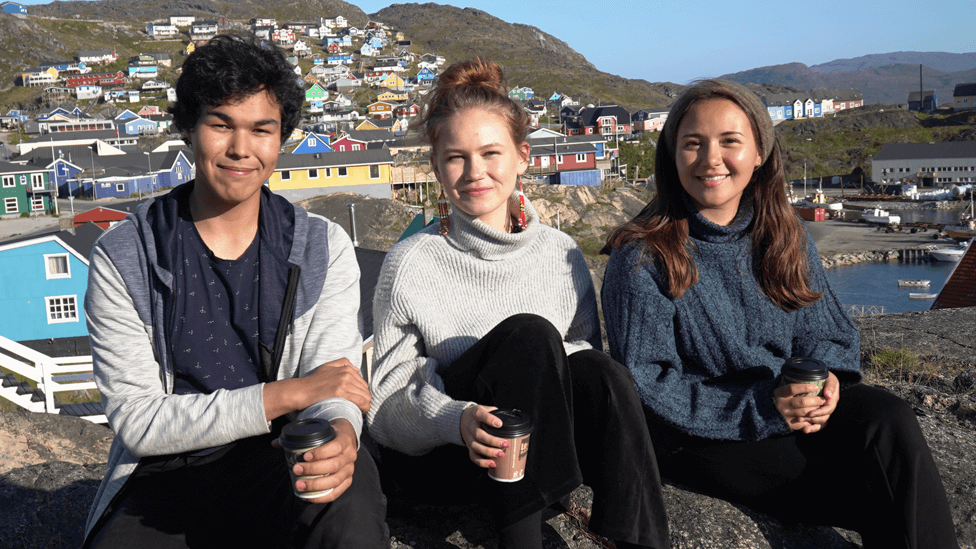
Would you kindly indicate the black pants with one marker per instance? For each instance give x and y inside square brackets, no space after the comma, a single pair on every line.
[589,428]
[239,496]
[869,470]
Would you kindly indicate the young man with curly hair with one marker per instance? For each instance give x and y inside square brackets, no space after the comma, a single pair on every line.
[217,313]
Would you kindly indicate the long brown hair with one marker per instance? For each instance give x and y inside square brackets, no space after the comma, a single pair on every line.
[778,240]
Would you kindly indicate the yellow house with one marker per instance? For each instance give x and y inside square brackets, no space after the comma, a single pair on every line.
[377,124]
[366,172]
[39,77]
[964,97]
[392,96]
[380,109]
[392,81]
[190,48]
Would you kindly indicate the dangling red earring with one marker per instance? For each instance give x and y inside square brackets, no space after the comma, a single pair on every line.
[442,213]
[522,223]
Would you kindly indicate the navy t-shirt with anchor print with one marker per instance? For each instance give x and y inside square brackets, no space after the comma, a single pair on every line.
[215,308]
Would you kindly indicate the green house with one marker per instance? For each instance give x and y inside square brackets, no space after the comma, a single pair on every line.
[25,189]
[316,93]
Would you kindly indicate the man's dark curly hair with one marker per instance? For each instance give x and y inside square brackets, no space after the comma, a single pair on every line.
[233,67]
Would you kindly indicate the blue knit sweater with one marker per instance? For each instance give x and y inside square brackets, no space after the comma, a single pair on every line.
[707,362]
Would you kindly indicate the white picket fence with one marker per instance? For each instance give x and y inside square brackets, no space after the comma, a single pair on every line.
[51,375]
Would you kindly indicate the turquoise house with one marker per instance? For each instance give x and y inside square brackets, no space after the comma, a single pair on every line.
[42,287]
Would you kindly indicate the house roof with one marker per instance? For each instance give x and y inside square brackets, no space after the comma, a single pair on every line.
[10,167]
[105,135]
[544,148]
[963,90]
[927,151]
[382,123]
[371,136]
[589,116]
[333,159]
[80,242]
[960,289]
[913,96]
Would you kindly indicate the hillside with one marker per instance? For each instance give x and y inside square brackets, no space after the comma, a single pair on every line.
[939,60]
[530,57]
[888,84]
[140,12]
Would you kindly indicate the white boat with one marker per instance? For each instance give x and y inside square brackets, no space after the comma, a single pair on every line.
[880,216]
[916,283]
[915,295]
[820,200]
[949,254]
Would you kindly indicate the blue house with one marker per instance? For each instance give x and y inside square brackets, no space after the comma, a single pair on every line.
[140,126]
[18,114]
[64,172]
[126,115]
[313,143]
[340,59]
[14,8]
[43,279]
[425,76]
[318,60]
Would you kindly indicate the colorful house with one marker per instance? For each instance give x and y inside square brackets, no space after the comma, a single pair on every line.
[301,176]
[313,143]
[392,81]
[391,96]
[44,280]
[426,76]
[316,92]
[26,189]
[361,140]
[102,217]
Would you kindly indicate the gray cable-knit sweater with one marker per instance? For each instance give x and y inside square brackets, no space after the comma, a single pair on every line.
[438,295]
[708,362]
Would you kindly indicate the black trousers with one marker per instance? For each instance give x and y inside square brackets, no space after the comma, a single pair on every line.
[869,470]
[589,427]
[240,496]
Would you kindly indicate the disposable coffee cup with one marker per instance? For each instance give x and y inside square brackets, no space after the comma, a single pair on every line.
[804,370]
[299,437]
[516,428]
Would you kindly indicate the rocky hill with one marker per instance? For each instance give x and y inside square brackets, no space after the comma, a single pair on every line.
[530,57]
[50,466]
[878,84]
[939,60]
[140,12]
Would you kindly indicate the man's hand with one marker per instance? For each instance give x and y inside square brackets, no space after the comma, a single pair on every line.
[336,379]
[336,458]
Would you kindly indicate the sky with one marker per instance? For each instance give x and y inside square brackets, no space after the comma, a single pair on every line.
[680,40]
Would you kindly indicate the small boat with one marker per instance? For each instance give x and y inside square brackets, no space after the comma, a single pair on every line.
[966,228]
[949,254]
[915,283]
[880,216]
[820,200]
[915,295]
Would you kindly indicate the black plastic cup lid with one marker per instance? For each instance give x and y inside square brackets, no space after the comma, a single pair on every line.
[804,369]
[515,423]
[306,433]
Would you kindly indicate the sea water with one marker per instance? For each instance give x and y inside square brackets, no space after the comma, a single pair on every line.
[875,284]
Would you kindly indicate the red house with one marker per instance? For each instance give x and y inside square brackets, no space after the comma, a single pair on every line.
[606,120]
[404,111]
[565,157]
[103,217]
[116,78]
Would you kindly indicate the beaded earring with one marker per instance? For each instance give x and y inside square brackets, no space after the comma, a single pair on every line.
[442,213]
[522,223]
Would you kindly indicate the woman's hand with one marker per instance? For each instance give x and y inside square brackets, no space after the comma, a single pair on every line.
[806,412]
[482,447]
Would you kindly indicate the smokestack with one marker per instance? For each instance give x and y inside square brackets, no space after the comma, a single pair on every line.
[352,224]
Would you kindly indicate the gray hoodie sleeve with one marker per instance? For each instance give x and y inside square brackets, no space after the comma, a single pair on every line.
[146,418]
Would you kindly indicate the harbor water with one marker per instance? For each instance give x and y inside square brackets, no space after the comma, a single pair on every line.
[874,284]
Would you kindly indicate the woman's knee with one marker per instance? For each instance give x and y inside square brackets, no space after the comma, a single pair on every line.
[531,327]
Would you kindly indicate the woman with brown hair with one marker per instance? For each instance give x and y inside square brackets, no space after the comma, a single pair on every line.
[708,292]
[494,309]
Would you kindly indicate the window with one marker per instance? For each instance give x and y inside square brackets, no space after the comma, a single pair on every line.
[581,157]
[9,181]
[285,175]
[313,174]
[120,187]
[559,159]
[328,172]
[355,147]
[57,266]
[10,205]
[374,171]
[37,203]
[62,308]
[343,171]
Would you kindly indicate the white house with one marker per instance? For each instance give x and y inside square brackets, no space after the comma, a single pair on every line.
[181,20]
[158,31]
[88,92]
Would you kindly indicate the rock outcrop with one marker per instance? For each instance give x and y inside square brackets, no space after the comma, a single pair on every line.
[50,465]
